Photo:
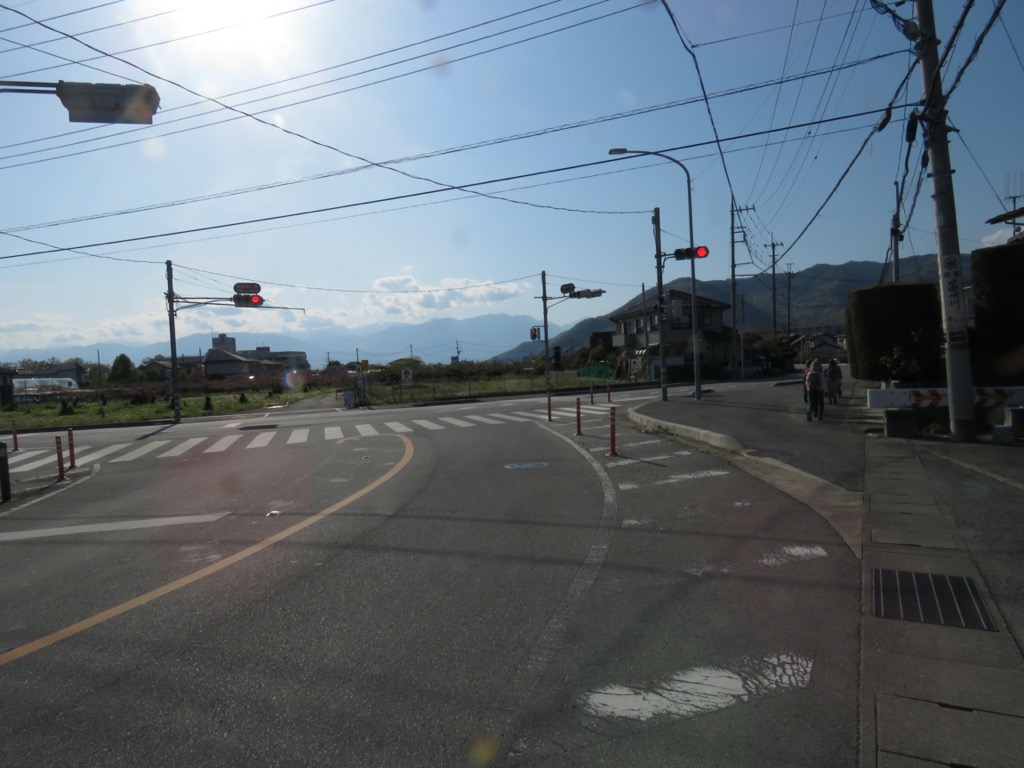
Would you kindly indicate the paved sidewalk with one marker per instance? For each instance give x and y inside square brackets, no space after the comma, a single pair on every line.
[940,532]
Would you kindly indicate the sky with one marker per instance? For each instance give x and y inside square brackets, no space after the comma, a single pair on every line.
[383,161]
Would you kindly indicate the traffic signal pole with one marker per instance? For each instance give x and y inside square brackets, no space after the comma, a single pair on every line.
[175,394]
[954,309]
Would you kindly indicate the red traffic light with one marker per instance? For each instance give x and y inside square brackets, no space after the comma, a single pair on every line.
[247,300]
[697,252]
[534,333]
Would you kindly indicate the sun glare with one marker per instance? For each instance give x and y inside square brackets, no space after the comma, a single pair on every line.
[244,33]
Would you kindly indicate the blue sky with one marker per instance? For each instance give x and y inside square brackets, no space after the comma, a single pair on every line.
[372,111]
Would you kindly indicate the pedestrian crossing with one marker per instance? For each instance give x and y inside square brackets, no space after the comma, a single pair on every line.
[44,460]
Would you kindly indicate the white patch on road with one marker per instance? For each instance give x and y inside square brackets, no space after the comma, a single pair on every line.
[791,555]
[700,690]
[692,476]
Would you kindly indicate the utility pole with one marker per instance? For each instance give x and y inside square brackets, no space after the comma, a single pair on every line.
[897,236]
[662,371]
[175,393]
[732,280]
[954,309]
[789,299]
[773,245]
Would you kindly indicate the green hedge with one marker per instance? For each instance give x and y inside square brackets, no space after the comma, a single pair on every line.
[895,332]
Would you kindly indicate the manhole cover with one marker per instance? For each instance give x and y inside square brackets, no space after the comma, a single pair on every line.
[527,465]
[931,598]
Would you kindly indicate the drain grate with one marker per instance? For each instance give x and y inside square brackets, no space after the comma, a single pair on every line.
[932,598]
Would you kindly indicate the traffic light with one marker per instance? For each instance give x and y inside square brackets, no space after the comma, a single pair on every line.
[534,333]
[697,252]
[247,300]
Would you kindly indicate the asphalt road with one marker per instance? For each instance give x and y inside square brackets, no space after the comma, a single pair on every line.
[360,588]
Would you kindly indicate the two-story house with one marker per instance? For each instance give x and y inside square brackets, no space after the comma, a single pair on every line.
[638,334]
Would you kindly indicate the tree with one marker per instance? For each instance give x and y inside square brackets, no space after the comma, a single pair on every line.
[122,369]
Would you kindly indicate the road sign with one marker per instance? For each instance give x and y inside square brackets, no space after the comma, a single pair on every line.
[247,288]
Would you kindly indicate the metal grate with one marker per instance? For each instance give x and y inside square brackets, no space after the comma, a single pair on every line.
[952,601]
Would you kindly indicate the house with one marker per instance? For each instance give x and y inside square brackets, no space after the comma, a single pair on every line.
[67,370]
[223,361]
[638,335]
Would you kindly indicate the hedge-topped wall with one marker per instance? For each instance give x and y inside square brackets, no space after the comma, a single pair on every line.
[997,351]
[895,332]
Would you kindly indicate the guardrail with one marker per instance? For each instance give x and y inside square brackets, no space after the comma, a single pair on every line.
[938,397]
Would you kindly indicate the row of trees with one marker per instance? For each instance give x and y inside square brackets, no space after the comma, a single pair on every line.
[121,371]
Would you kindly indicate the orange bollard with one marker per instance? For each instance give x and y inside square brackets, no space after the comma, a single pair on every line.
[613,452]
[549,406]
[609,392]
[60,460]
[14,433]
[71,448]
[579,424]
[591,394]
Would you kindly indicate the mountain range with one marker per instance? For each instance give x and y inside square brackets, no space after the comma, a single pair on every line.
[809,300]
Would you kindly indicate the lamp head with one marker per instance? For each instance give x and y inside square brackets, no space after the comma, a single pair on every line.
[618,151]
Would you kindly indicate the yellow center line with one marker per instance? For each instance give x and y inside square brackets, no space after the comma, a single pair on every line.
[166,589]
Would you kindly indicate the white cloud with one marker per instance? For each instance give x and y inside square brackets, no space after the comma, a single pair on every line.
[403,297]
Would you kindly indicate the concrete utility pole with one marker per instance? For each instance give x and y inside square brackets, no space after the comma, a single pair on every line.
[733,336]
[175,391]
[662,371]
[773,245]
[954,309]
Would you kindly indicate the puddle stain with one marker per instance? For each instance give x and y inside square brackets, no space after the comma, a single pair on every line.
[700,690]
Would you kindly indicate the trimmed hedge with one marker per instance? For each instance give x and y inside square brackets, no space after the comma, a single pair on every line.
[894,331]
[997,276]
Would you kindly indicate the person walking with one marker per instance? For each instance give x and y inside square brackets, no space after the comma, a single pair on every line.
[807,369]
[815,384]
[834,376]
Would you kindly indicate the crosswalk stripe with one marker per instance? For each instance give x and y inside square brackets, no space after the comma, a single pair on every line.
[177,450]
[51,459]
[531,414]
[86,458]
[262,440]
[13,458]
[298,436]
[141,451]
[427,424]
[456,422]
[484,419]
[332,433]
[397,426]
[223,444]
[367,430]
[508,417]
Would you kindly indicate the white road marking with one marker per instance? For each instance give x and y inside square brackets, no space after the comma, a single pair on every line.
[642,442]
[509,417]
[141,451]
[427,424]
[222,445]
[692,476]
[530,415]
[262,440]
[298,436]
[484,419]
[231,425]
[366,430]
[792,554]
[699,690]
[13,458]
[332,433]
[456,422]
[397,426]
[51,459]
[87,457]
[122,525]
[187,445]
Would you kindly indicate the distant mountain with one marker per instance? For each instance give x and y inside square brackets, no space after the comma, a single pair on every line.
[435,341]
[813,299]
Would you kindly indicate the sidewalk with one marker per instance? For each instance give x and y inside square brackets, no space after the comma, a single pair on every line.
[938,530]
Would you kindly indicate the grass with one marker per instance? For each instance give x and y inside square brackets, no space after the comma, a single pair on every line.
[51,414]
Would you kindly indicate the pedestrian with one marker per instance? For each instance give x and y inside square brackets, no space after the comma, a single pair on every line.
[815,384]
[807,369]
[834,376]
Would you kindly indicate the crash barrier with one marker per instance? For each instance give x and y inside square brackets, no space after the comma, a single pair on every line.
[902,406]
[5,475]
[938,397]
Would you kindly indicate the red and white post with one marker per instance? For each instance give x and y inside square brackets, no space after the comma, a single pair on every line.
[71,448]
[579,422]
[60,460]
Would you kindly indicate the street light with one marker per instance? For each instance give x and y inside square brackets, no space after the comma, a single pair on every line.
[96,102]
[693,282]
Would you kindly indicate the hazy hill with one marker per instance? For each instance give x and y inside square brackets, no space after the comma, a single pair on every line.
[814,299]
